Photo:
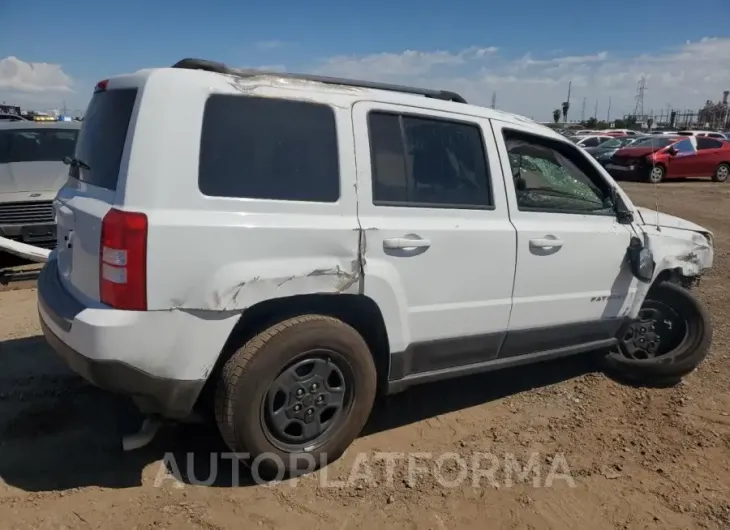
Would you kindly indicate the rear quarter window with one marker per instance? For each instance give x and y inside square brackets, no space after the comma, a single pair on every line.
[267,148]
[102,138]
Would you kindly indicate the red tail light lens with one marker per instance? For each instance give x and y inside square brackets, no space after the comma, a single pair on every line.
[123,260]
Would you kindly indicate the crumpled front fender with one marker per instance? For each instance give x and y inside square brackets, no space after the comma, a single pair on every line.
[687,254]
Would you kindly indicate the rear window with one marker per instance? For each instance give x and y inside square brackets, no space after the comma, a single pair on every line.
[36,145]
[102,138]
[266,148]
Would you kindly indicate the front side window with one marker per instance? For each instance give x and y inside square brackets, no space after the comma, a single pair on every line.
[36,145]
[420,161]
[550,176]
[685,147]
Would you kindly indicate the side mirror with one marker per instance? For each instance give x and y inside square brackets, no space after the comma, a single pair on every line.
[642,260]
[67,160]
[672,150]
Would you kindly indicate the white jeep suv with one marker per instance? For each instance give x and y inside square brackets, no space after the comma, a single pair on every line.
[278,248]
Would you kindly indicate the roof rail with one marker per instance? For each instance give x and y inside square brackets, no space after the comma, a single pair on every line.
[220,68]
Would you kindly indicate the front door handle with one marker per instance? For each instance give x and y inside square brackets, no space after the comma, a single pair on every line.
[546,242]
[405,243]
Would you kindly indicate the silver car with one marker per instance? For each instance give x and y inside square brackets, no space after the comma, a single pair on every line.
[31,173]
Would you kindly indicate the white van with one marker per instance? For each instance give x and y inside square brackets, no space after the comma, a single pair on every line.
[278,248]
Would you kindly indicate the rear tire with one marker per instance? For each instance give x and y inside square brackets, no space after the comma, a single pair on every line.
[670,352]
[287,420]
[722,171]
[656,174]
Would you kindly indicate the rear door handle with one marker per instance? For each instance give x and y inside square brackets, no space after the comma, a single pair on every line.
[546,242]
[405,243]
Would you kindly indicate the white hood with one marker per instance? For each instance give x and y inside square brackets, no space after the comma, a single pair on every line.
[652,218]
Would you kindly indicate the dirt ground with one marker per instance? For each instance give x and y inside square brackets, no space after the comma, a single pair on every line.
[637,457]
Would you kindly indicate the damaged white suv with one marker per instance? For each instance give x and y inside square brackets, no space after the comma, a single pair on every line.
[279,248]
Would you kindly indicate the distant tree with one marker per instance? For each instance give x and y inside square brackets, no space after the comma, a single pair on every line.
[631,123]
[556,115]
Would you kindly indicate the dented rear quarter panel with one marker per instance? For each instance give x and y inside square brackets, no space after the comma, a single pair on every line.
[216,257]
[221,254]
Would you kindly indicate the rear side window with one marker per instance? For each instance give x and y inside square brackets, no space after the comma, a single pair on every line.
[708,143]
[102,138]
[36,145]
[266,148]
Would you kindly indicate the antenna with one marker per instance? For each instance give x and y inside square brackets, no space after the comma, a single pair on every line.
[494,99]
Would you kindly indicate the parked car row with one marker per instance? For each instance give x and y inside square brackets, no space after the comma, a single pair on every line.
[657,158]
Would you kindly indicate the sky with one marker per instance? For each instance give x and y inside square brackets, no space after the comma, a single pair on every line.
[527,51]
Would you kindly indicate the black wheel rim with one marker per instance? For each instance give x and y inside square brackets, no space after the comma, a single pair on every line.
[307,400]
[658,331]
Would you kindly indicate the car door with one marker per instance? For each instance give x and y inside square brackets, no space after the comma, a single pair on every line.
[684,162]
[573,285]
[708,156]
[438,238]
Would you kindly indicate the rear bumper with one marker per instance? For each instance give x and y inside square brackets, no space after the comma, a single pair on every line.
[153,395]
[105,347]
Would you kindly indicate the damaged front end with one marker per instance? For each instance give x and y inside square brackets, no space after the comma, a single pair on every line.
[681,252]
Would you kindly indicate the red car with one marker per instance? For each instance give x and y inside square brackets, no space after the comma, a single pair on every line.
[669,157]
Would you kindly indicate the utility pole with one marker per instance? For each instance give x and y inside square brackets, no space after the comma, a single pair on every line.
[494,99]
[639,107]
[608,112]
[583,111]
[566,104]
[595,111]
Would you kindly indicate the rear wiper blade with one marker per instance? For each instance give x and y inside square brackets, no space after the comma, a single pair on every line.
[75,162]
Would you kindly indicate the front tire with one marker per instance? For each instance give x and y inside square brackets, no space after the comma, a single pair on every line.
[656,174]
[721,173]
[295,396]
[671,337]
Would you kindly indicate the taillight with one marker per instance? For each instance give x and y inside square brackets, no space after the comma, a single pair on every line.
[123,260]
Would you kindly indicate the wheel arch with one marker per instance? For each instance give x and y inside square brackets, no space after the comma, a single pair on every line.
[359,311]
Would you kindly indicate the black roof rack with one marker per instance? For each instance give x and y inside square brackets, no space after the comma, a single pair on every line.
[220,68]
